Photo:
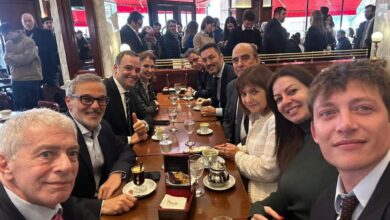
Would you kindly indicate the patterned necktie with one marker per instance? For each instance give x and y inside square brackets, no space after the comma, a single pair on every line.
[348,206]
[58,216]
[129,112]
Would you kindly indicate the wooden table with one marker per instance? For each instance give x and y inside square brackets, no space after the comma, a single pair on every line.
[183,112]
[151,147]
[233,202]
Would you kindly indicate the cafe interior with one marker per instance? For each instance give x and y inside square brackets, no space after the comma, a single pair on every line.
[167,157]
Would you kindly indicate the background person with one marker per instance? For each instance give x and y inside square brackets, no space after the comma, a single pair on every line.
[316,38]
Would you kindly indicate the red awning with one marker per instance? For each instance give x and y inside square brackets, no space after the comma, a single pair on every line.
[127,6]
[79,18]
[297,8]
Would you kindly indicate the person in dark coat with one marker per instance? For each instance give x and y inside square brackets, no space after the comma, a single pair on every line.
[351,123]
[189,33]
[168,44]
[343,41]
[292,45]
[364,32]
[246,33]
[316,38]
[47,49]
[230,25]
[129,32]
[275,36]
[157,30]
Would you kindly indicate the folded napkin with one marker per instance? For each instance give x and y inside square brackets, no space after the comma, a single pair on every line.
[173,202]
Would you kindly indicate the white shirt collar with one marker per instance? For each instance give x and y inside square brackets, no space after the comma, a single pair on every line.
[243,28]
[364,189]
[31,211]
[84,131]
[119,86]
[132,29]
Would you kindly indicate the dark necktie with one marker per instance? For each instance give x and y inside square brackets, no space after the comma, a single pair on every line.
[58,216]
[348,207]
[246,123]
[215,89]
[129,112]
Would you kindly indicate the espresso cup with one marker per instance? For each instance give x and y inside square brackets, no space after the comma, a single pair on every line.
[210,155]
[198,105]
[204,127]
[159,132]
[138,174]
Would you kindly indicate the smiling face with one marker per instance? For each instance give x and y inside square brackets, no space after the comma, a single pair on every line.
[230,26]
[195,61]
[127,71]
[351,126]
[213,61]
[88,115]
[44,169]
[291,96]
[243,57]
[254,98]
[147,69]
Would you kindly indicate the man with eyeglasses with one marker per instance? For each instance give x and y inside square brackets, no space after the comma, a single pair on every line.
[104,159]
[235,123]
[125,109]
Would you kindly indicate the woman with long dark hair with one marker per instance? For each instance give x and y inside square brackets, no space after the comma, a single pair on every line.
[205,36]
[189,33]
[230,25]
[305,173]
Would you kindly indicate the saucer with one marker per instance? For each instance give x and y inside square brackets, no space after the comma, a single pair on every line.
[196,108]
[149,184]
[196,150]
[188,99]
[209,131]
[228,185]
[155,138]
[219,159]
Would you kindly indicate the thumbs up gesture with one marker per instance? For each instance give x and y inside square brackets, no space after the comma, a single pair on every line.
[139,126]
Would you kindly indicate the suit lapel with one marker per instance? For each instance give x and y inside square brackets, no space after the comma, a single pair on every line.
[84,154]
[8,207]
[116,98]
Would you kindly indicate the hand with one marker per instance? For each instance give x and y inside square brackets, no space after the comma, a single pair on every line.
[136,138]
[139,125]
[227,150]
[118,204]
[208,111]
[273,213]
[108,188]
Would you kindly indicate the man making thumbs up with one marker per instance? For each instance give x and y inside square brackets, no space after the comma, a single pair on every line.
[124,111]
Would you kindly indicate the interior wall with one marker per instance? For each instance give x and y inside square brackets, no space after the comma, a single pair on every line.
[382,24]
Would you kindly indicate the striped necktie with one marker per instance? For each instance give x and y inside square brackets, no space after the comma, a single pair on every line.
[129,112]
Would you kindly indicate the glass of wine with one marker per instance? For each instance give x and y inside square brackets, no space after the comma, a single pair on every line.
[196,169]
[188,96]
[174,98]
[138,177]
[172,114]
[189,125]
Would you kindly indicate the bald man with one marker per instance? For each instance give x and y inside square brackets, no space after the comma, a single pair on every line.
[47,49]
[234,124]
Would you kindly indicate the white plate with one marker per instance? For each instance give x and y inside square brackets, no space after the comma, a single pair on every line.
[228,185]
[165,136]
[219,159]
[209,131]
[196,108]
[149,184]
[195,150]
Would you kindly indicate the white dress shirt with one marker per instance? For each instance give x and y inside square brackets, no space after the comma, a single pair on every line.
[32,211]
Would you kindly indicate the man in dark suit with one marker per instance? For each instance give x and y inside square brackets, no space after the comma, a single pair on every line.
[275,36]
[351,123]
[364,32]
[129,32]
[222,74]
[104,160]
[342,41]
[235,124]
[125,107]
[169,43]
[246,33]
[38,167]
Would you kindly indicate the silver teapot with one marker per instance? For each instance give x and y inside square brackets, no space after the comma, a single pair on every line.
[218,175]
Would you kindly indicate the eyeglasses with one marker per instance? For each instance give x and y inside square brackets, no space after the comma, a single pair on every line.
[88,100]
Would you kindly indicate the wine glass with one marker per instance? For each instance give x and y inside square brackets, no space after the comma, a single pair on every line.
[188,96]
[138,177]
[177,87]
[174,98]
[172,114]
[189,125]
[196,170]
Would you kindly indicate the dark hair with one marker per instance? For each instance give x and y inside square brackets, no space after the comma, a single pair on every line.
[134,16]
[226,33]
[326,17]
[120,56]
[324,10]
[279,9]
[318,21]
[210,45]
[207,20]
[289,136]
[191,51]
[171,21]
[257,75]
[248,15]
[156,24]
[190,31]
[47,19]
[147,54]
[5,28]
[373,7]
[351,32]
[341,32]
[337,77]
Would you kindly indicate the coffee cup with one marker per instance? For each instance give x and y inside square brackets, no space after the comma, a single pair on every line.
[159,132]
[165,146]
[199,105]
[204,127]
[210,155]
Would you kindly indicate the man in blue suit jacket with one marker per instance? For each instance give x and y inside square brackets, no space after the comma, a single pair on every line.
[351,121]
[129,32]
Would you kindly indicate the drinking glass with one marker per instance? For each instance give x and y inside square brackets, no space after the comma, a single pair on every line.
[172,114]
[196,170]
[174,98]
[188,96]
[189,125]
[138,177]
[177,87]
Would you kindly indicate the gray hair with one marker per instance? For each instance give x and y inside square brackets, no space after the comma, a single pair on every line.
[13,131]
[82,78]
